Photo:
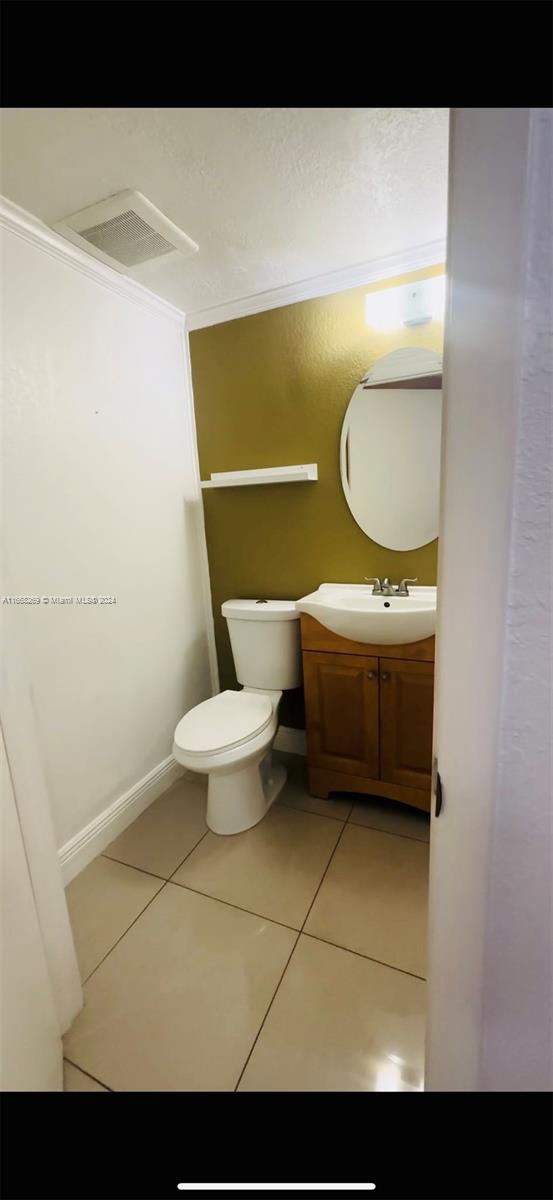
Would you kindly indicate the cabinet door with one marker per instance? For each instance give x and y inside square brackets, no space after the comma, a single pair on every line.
[341,709]
[406,703]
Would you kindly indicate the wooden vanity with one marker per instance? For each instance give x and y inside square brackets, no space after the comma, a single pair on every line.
[368,715]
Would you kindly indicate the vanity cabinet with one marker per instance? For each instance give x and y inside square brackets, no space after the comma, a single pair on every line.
[341,697]
[368,716]
[406,703]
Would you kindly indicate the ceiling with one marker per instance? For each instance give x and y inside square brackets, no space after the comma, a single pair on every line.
[272,195]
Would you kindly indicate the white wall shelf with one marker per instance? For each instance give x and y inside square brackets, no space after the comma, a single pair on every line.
[302,473]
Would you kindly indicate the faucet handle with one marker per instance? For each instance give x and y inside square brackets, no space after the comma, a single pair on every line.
[377,588]
[402,589]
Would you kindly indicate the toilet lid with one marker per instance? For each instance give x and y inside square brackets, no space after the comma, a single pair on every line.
[223,722]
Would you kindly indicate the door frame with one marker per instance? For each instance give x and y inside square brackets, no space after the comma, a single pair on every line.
[489,940]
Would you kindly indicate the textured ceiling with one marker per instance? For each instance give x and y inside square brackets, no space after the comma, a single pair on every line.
[272,195]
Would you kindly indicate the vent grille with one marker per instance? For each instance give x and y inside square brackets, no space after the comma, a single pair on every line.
[126,231]
[128,239]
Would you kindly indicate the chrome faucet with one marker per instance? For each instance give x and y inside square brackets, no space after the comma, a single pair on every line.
[387,589]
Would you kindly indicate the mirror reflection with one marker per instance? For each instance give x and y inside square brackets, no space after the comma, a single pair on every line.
[390,449]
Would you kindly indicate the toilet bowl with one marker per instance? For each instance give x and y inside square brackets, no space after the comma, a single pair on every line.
[230,736]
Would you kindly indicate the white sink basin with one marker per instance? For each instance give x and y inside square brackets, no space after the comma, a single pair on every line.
[351,610]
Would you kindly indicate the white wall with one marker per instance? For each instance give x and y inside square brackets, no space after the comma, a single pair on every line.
[490,893]
[100,498]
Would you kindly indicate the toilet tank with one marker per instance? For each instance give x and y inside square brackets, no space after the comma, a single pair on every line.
[265,641]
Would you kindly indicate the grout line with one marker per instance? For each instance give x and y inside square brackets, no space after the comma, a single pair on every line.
[273,920]
[254,1043]
[368,958]
[142,870]
[304,787]
[83,1072]
[349,819]
[164,878]
[143,910]
[299,932]
[323,876]
[263,916]
[392,832]
[191,851]
[293,929]
[307,811]
[287,964]
[208,896]
[125,932]
[335,944]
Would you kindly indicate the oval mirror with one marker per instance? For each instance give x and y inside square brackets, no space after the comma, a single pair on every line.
[390,449]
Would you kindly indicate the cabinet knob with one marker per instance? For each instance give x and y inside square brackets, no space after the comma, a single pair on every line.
[371,674]
[385,675]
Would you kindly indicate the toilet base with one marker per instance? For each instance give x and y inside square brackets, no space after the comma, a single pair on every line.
[240,799]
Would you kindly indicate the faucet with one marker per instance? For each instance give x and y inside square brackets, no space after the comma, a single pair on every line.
[403,589]
[387,589]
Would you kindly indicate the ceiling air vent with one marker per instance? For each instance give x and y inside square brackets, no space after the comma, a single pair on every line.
[125,231]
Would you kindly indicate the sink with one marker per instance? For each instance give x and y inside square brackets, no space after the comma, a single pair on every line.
[351,610]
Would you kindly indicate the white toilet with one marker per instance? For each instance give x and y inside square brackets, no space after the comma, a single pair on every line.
[230,736]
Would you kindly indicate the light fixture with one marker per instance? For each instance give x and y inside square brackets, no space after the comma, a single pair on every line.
[412,304]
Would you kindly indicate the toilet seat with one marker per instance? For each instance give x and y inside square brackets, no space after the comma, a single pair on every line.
[223,722]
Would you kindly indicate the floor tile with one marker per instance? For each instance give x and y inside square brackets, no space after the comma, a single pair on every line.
[295,793]
[273,869]
[76,1081]
[340,1023]
[103,901]
[374,898]
[179,1002]
[165,833]
[390,817]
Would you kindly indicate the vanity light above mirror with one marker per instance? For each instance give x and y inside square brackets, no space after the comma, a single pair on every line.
[412,304]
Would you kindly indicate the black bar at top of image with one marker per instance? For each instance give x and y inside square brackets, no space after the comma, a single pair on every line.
[444,53]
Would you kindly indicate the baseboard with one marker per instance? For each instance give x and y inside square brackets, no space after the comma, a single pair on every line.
[79,851]
[292,741]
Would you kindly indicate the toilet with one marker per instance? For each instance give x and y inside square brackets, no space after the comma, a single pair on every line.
[229,737]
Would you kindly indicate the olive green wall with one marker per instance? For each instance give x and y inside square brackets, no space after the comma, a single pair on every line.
[269,390]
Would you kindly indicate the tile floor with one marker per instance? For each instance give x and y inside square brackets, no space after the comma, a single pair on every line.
[287,958]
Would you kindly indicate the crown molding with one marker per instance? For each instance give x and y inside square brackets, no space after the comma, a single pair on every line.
[31,229]
[430,254]
[25,225]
